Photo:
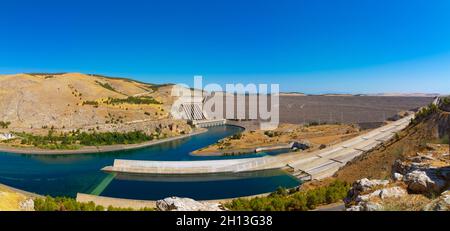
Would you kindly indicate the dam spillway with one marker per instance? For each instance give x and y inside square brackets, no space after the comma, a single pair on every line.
[188,167]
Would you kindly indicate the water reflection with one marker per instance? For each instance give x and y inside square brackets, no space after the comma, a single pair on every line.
[66,175]
[198,177]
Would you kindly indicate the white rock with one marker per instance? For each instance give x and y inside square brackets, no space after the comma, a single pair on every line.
[371,206]
[382,193]
[185,204]
[26,205]
[366,206]
[355,208]
[417,181]
[392,192]
[366,184]
[358,192]
[423,182]
[365,198]
[397,176]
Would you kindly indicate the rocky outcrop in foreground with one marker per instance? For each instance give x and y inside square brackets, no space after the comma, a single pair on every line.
[367,195]
[440,204]
[427,174]
[26,205]
[186,204]
[422,175]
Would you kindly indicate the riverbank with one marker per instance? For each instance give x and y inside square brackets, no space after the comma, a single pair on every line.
[118,202]
[285,137]
[141,204]
[96,149]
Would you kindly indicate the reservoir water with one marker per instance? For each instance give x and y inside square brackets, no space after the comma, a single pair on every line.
[66,175]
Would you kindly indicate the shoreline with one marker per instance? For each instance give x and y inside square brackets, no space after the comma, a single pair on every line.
[231,152]
[96,149]
[26,193]
[123,202]
[140,204]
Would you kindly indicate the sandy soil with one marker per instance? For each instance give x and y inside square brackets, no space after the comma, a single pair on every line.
[284,134]
[10,199]
[34,103]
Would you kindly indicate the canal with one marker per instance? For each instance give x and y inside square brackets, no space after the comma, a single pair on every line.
[66,175]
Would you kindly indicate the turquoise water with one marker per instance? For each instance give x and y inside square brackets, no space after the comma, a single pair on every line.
[66,175]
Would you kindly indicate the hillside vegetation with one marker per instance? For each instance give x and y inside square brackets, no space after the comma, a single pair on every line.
[71,101]
[427,135]
[44,109]
[293,200]
[431,125]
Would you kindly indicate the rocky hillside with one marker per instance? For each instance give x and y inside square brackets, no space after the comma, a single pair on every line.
[431,126]
[38,102]
[412,172]
[421,182]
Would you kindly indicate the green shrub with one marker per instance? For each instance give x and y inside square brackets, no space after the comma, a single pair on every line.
[74,139]
[444,140]
[106,86]
[64,204]
[446,101]
[398,152]
[424,113]
[70,204]
[236,136]
[133,100]
[272,133]
[4,124]
[284,200]
[93,103]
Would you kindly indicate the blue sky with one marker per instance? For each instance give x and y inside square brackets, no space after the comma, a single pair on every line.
[320,46]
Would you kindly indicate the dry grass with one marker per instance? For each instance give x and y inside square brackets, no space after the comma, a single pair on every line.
[285,133]
[9,200]
[406,203]
[377,164]
[31,102]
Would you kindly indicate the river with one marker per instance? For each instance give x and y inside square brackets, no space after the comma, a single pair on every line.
[66,175]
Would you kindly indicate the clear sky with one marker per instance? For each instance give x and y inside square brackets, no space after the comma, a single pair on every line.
[320,46]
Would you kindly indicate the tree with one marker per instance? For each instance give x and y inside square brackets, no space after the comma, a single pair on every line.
[4,124]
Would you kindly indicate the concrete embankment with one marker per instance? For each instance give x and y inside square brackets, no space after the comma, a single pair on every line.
[97,149]
[186,167]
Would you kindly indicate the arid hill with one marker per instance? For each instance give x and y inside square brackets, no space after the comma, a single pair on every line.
[315,136]
[430,127]
[38,102]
